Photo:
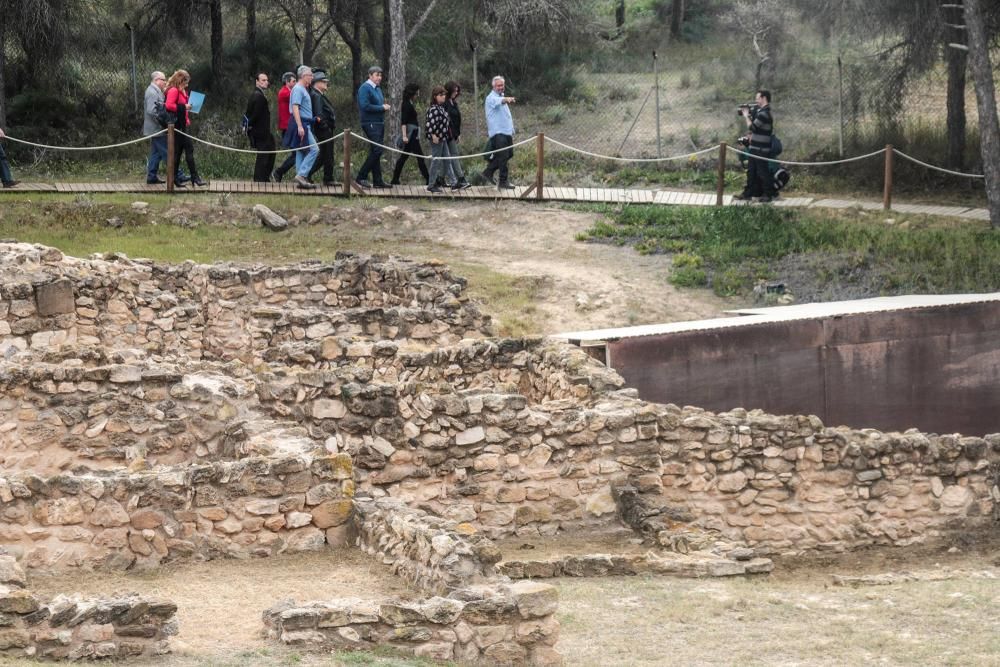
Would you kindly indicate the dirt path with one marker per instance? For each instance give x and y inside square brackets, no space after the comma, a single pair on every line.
[584,285]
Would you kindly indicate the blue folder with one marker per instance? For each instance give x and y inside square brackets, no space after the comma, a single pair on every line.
[196,100]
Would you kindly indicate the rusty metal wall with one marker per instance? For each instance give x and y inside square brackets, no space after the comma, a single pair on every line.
[935,369]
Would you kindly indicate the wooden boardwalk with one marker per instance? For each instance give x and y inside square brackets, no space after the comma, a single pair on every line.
[565,194]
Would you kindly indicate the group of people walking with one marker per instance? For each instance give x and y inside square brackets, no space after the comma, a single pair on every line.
[307,122]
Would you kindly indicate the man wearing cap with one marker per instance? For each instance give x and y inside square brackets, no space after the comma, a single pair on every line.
[299,133]
[259,130]
[288,78]
[372,106]
[323,128]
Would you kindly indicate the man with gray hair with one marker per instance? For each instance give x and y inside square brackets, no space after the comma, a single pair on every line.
[372,106]
[500,126]
[299,132]
[151,125]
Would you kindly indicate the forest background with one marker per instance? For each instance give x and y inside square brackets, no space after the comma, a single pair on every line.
[636,78]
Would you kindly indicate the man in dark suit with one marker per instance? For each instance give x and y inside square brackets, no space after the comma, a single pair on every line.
[259,130]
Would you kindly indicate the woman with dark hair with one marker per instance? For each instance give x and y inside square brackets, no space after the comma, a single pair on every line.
[409,134]
[437,130]
[176,102]
[458,181]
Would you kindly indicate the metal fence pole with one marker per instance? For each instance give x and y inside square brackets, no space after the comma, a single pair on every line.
[347,163]
[656,78]
[475,88]
[840,104]
[135,81]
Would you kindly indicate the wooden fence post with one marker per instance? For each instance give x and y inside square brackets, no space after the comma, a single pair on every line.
[720,185]
[171,158]
[540,166]
[347,163]
[887,191]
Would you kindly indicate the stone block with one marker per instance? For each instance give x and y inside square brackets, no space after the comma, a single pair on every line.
[533,599]
[55,298]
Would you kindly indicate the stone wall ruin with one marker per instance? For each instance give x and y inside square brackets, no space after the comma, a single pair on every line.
[152,413]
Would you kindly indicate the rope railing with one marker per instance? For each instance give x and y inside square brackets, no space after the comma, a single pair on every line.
[255,152]
[540,139]
[634,159]
[450,157]
[934,167]
[85,148]
[827,163]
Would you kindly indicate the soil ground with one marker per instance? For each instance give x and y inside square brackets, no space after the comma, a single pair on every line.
[219,603]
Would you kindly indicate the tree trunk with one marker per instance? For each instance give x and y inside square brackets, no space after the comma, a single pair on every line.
[676,18]
[389,8]
[216,41]
[957,65]
[620,14]
[251,14]
[397,60]
[986,101]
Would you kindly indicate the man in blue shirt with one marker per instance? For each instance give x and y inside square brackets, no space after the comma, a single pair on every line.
[300,128]
[372,106]
[500,126]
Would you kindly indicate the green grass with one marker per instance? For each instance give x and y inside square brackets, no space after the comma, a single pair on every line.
[730,249]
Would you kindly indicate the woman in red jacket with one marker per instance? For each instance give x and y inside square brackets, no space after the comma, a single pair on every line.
[177,103]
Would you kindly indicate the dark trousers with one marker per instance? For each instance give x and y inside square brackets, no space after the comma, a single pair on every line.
[5,175]
[760,183]
[502,152]
[264,164]
[185,146]
[412,146]
[287,164]
[325,159]
[373,163]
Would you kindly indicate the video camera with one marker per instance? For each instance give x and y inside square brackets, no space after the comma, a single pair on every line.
[752,107]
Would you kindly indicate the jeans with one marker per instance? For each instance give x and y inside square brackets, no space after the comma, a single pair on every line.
[157,154]
[373,163]
[306,156]
[438,167]
[455,166]
[5,175]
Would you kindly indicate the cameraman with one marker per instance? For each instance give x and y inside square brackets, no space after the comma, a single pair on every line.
[761,125]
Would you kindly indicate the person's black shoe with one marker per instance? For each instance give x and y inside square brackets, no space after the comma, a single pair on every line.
[742,197]
[434,189]
[461,185]
[180,184]
[394,181]
[329,184]
[362,183]
[765,200]
[504,185]
[488,177]
[11,184]
[381,186]
[277,176]
[155,181]
[181,179]
[197,181]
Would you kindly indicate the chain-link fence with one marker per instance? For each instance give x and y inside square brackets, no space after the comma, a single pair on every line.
[824,107]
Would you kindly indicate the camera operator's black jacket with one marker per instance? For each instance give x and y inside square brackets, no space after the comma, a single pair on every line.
[761,130]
